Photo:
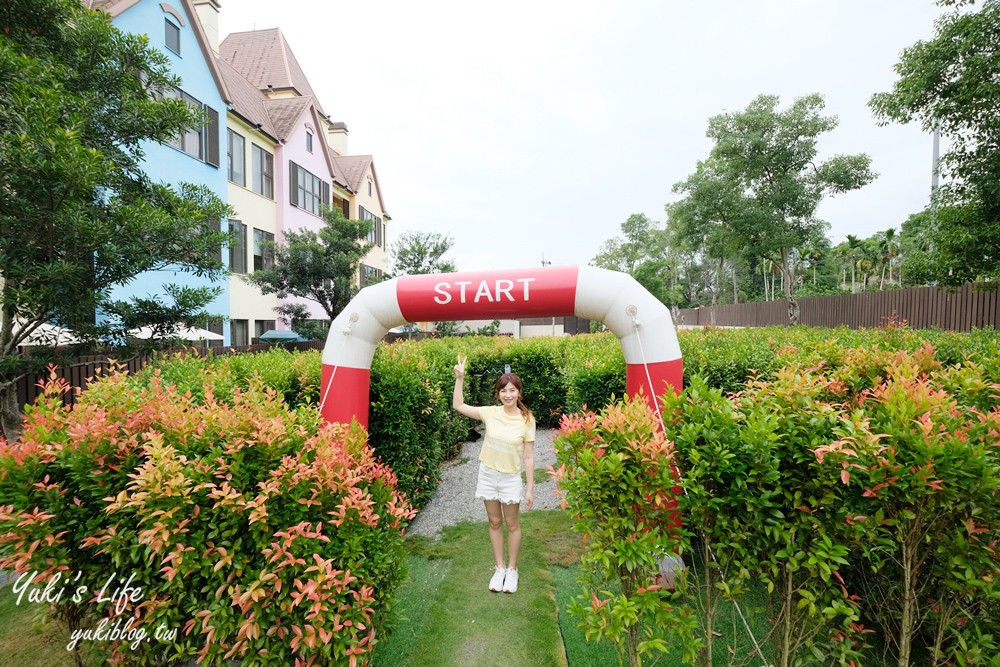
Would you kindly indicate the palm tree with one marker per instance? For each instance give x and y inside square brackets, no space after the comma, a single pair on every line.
[867,261]
[814,255]
[889,249]
[854,247]
[842,254]
[764,268]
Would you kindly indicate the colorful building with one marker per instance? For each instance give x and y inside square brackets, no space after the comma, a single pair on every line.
[269,150]
[197,157]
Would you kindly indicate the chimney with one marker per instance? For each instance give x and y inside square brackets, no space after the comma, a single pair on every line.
[336,137]
[208,16]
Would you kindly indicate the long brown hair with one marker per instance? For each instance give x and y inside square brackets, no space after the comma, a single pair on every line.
[511,378]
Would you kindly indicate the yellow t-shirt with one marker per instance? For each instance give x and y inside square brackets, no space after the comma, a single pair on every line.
[503,443]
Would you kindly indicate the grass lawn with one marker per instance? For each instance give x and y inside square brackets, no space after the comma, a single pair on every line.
[452,619]
[447,617]
[24,640]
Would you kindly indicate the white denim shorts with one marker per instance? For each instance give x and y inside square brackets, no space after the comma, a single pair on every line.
[496,485]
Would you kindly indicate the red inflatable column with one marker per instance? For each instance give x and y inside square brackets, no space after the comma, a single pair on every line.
[665,376]
[348,392]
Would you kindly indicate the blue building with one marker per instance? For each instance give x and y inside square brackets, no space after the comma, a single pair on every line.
[199,156]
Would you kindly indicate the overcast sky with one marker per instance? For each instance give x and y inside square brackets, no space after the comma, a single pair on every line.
[534,129]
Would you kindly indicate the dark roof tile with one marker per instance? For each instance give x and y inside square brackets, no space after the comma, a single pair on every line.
[354,168]
[247,101]
[264,58]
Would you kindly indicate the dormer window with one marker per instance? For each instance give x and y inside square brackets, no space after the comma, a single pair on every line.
[309,142]
[172,36]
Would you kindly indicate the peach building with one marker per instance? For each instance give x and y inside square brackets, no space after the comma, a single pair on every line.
[278,119]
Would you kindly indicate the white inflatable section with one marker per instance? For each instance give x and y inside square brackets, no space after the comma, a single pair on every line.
[619,301]
[360,327]
[611,297]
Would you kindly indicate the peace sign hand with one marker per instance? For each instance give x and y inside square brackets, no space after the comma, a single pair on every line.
[460,368]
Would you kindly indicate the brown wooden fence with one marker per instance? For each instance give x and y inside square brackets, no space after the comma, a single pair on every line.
[962,309]
[84,369]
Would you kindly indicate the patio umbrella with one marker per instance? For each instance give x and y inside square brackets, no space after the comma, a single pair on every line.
[282,336]
[185,333]
[50,334]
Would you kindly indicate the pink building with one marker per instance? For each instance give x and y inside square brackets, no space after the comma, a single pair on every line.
[311,166]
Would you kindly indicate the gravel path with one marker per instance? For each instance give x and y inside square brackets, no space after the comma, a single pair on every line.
[455,499]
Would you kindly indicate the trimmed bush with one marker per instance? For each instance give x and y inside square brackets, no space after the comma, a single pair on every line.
[250,529]
[413,428]
[294,375]
[413,419]
[616,476]
[594,370]
[886,454]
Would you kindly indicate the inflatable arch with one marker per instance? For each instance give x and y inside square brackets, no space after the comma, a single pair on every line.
[641,322]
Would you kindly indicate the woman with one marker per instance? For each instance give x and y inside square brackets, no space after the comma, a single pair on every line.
[508,446]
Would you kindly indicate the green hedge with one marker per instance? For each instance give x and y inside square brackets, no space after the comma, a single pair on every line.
[862,485]
[251,532]
[413,428]
[223,409]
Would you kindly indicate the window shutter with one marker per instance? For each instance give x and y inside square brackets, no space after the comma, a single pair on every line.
[212,136]
[293,180]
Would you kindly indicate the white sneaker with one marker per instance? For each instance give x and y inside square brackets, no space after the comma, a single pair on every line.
[510,581]
[496,582]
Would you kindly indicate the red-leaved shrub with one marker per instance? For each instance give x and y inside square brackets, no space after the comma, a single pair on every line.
[248,530]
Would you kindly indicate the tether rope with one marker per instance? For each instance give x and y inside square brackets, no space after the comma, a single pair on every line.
[343,342]
[659,415]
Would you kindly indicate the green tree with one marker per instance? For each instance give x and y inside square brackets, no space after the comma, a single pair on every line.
[888,245]
[417,253]
[768,157]
[915,242]
[420,253]
[819,266]
[713,219]
[300,320]
[640,251]
[77,214]
[624,253]
[949,83]
[318,266]
[854,251]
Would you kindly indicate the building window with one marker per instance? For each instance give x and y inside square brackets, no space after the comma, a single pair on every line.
[308,192]
[237,158]
[369,188]
[369,275]
[376,234]
[200,142]
[213,227]
[263,250]
[261,327]
[238,251]
[263,171]
[309,142]
[215,326]
[172,36]
[239,332]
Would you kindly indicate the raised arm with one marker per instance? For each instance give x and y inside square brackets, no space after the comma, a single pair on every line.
[458,397]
